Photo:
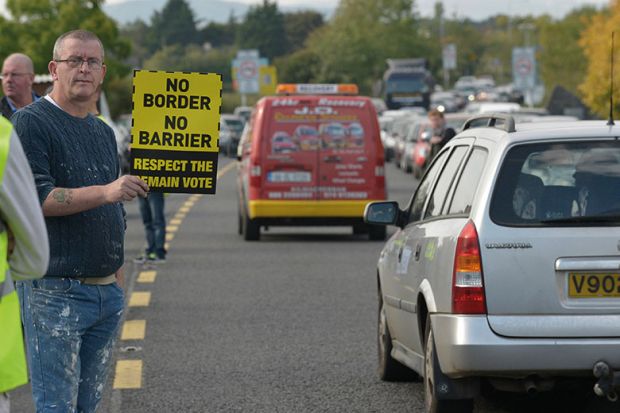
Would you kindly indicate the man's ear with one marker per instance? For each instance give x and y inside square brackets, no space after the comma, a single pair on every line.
[52,67]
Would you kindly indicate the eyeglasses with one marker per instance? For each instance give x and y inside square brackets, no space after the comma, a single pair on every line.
[14,74]
[76,62]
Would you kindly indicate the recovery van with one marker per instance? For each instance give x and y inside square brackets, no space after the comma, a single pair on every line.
[311,155]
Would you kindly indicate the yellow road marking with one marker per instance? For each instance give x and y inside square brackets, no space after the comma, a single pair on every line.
[176,221]
[184,209]
[140,299]
[172,228]
[180,215]
[147,276]
[225,169]
[133,330]
[128,374]
[166,246]
[169,237]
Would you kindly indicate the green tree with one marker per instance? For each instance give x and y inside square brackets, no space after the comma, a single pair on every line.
[36,24]
[139,34]
[298,27]
[362,34]
[263,29]
[192,58]
[562,61]
[175,24]
[596,45]
[299,67]
[221,34]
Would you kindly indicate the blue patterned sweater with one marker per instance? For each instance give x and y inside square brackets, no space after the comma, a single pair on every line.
[69,152]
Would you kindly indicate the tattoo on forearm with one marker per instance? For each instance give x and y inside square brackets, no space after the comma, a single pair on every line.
[63,196]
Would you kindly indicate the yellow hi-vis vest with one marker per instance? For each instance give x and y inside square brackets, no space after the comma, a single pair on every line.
[13,370]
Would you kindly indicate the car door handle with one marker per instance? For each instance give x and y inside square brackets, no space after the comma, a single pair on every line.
[418,248]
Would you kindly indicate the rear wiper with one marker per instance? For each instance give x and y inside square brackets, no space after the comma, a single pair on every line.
[585,219]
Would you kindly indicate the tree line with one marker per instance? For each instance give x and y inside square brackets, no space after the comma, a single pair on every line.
[351,46]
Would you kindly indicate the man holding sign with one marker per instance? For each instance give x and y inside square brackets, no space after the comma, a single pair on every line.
[72,315]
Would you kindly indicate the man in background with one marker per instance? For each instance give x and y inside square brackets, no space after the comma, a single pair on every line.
[17,79]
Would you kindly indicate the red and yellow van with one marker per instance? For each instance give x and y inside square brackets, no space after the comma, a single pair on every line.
[312,155]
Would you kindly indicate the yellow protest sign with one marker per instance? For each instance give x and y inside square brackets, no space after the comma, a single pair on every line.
[175,130]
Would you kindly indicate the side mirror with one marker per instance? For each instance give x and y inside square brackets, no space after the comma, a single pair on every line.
[426,136]
[382,213]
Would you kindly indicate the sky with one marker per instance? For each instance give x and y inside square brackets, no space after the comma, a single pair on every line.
[474,9]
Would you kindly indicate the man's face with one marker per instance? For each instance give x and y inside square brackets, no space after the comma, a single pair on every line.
[436,121]
[17,78]
[79,71]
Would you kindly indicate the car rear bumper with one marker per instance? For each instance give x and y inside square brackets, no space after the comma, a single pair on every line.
[466,346]
[307,209]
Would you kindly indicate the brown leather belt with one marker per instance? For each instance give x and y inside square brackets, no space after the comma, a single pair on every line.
[110,279]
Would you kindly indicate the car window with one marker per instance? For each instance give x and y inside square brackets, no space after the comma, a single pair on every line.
[421,194]
[440,192]
[468,182]
[558,183]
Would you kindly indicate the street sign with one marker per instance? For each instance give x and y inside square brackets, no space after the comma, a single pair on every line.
[449,56]
[246,72]
[524,67]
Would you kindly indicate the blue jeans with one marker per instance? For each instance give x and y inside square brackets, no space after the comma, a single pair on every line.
[70,330]
[152,211]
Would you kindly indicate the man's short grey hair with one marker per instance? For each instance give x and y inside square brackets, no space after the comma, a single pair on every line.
[83,35]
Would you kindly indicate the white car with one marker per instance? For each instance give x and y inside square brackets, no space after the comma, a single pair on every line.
[505,267]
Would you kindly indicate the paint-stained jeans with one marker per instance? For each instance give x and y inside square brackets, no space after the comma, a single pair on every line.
[70,332]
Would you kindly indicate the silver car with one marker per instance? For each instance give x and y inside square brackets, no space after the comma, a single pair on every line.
[505,267]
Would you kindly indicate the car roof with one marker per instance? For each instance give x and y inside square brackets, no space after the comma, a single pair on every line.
[227,116]
[547,130]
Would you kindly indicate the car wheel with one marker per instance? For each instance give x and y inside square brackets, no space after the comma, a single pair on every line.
[376,232]
[389,369]
[432,404]
[251,229]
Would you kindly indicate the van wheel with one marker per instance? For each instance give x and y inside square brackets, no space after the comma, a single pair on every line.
[389,369]
[432,404]
[251,229]
[376,232]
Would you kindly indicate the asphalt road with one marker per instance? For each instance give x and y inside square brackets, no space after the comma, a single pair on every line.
[286,324]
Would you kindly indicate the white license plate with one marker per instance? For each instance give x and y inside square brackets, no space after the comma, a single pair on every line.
[283,176]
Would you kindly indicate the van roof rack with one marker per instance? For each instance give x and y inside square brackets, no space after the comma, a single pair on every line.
[492,118]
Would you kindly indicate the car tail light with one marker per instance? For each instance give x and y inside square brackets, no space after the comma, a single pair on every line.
[255,175]
[468,295]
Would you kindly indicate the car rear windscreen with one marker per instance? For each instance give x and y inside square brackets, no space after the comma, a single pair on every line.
[559,184]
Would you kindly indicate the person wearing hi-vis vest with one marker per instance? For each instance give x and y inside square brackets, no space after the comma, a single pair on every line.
[24,254]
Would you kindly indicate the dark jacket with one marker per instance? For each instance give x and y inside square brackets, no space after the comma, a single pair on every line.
[5,108]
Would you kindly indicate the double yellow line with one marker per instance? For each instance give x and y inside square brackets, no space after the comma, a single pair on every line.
[128,373]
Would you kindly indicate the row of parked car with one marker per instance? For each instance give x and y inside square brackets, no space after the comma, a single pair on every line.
[406,134]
